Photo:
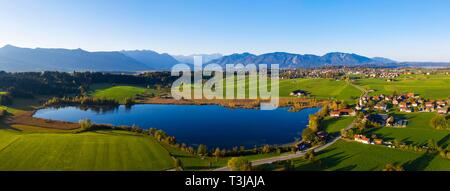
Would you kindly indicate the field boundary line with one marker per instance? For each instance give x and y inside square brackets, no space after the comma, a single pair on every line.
[10,143]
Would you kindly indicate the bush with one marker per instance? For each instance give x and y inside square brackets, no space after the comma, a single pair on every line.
[239,164]
[439,122]
[85,124]
[308,135]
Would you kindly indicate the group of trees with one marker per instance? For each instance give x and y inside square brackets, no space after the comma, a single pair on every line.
[309,134]
[239,164]
[28,84]
[440,122]
[393,167]
[80,100]
[5,98]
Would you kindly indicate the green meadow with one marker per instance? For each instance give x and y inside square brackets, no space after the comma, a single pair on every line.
[427,86]
[334,125]
[321,88]
[418,131]
[119,93]
[345,156]
[102,150]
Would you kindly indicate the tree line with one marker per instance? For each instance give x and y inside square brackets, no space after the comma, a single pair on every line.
[29,84]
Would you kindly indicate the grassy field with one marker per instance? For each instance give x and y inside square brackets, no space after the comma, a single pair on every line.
[418,130]
[345,156]
[320,88]
[119,93]
[432,86]
[334,125]
[195,163]
[103,150]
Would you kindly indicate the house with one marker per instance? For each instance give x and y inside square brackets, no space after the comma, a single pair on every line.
[443,110]
[405,109]
[299,93]
[347,112]
[335,114]
[378,141]
[403,104]
[410,95]
[395,102]
[400,123]
[303,146]
[361,139]
[343,112]
[378,118]
[322,135]
[429,104]
[440,103]
[376,98]
[380,106]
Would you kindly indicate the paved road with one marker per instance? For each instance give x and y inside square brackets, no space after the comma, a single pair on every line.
[285,157]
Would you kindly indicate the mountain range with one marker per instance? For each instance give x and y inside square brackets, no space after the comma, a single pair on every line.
[288,60]
[16,59]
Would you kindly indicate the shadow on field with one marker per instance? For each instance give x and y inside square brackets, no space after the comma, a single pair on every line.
[420,163]
[327,162]
[444,141]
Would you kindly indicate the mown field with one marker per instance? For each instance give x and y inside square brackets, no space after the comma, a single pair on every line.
[427,86]
[104,150]
[346,156]
[119,93]
[334,125]
[321,88]
[418,130]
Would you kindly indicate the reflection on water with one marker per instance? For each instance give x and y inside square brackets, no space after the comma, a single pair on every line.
[212,125]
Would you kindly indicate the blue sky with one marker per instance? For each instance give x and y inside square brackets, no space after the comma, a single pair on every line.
[405,30]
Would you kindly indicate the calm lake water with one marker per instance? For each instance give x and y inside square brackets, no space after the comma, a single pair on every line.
[212,125]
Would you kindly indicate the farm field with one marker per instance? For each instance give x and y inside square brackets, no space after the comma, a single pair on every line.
[119,93]
[195,163]
[431,87]
[345,156]
[321,88]
[418,131]
[103,150]
[334,125]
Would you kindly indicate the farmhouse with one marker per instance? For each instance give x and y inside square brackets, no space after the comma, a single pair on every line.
[395,102]
[378,118]
[343,112]
[299,93]
[378,141]
[429,104]
[380,106]
[443,110]
[441,103]
[335,114]
[405,109]
[361,139]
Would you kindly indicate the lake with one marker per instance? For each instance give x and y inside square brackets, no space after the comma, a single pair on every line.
[215,126]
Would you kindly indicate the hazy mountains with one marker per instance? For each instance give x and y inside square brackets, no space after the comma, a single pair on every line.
[15,59]
[288,60]
[190,59]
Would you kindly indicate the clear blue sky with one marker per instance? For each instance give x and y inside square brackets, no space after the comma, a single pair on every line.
[405,30]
